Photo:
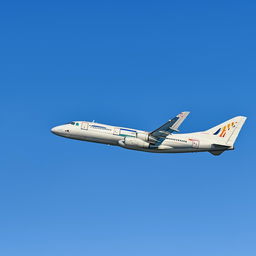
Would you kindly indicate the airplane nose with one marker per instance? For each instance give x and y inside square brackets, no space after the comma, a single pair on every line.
[54,130]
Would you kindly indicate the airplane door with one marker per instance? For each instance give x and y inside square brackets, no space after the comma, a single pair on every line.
[195,143]
[84,126]
[116,131]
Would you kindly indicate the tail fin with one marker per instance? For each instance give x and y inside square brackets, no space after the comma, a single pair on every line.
[227,132]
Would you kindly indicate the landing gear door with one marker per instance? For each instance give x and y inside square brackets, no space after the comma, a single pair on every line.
[84,126]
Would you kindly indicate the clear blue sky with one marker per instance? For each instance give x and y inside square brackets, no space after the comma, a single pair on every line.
[133,64]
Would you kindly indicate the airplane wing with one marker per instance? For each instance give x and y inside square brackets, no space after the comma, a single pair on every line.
[171,126]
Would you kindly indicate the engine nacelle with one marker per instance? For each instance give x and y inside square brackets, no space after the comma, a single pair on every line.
[145,137]
[142,136]
[130,142]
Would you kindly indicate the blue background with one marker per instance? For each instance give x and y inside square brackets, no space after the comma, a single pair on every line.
[133,64]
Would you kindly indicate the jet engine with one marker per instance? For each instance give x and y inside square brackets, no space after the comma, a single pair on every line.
[142,136]
[133,143]
[145,137]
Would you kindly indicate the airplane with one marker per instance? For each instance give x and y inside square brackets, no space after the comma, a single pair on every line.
[216,140]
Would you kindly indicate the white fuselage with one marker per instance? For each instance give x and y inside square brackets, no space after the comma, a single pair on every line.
[135,139]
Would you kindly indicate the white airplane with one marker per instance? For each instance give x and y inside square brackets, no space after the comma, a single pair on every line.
[162,140]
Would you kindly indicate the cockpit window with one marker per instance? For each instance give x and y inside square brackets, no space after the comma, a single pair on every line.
[77,124]
[73,123]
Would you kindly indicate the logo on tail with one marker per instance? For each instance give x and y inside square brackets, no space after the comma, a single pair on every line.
[221,132]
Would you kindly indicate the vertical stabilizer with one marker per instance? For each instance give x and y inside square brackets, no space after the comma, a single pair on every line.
[227,132]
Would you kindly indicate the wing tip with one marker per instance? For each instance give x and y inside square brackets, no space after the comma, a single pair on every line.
[183,114]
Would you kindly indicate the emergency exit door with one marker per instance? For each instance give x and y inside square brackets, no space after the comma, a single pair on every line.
[84,126]
[116,131]
[195,143]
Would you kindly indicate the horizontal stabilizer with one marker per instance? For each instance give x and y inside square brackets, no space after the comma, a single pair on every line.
[221,146]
